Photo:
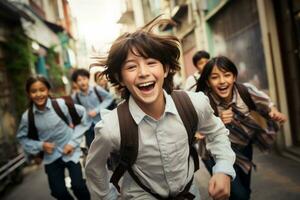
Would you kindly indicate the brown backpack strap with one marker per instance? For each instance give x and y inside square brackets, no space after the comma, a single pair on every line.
[77,98]
[76,119]
[59,111]
[129,143]
[189,117]
[33,134]
[32,131]
[245,95]
[98,95]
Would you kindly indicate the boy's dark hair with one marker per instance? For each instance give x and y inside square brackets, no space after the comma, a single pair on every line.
[146,44]
[31,80]
[221,62]
[80,72]
[199,55]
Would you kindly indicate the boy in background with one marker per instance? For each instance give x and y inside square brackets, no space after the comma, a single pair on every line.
[92,98]
[200,58]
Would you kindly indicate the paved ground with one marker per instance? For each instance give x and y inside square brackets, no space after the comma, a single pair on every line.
[276,178]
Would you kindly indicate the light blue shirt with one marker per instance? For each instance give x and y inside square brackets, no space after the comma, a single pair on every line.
[51,128]
[162,163]
[91,102]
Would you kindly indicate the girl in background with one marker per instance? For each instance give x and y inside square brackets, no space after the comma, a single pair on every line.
[232,102]
[58,141]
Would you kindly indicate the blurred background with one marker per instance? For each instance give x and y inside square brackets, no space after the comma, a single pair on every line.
[54,37]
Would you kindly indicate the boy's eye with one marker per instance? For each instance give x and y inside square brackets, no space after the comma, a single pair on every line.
[33,91]
[227,74]
[130,67]
[152,61]
[214,77]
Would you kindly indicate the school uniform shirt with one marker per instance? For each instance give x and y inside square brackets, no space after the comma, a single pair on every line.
[191,82]
[91,102]
[51,128]
[259,98]
[163,162]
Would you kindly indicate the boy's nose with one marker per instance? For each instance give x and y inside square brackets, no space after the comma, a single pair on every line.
[143,70]
[222,80]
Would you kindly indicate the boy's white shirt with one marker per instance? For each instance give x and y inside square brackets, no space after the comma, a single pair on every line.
[163,148]
[190,83]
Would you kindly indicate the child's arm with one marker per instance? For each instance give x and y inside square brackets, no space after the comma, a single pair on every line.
[276,115]
[97,175]
[261,98]
[216,135]
[218,144]
[30,146]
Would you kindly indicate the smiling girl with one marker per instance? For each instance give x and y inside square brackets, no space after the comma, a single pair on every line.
[58,141]
[228,99]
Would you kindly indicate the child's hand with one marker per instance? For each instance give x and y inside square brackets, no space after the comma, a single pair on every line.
[48,147]
[277,116]
[68,149]
[219,186]
[92,113]
[226,116]
[199,136]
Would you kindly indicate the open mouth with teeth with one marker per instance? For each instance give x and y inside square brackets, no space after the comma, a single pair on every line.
[41,100]
[223,89]
[145,87]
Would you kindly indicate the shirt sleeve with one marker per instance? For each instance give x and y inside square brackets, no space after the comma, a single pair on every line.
[190,84]
[97,175]
[107,99]
[258,96]
[30,146]
[79,129]
[218,143]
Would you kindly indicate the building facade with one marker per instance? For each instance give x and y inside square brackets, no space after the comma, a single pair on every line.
[260,36]
[36,37]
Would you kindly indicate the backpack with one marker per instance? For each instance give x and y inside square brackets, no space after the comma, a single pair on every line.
[110,107]
[32,130]
[129,141]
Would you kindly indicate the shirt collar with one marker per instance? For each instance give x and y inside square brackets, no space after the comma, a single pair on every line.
[90,90]
[197,75]
[220,103]
[48,106]
[138,114]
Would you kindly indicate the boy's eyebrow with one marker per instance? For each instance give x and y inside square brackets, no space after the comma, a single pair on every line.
[130,60]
